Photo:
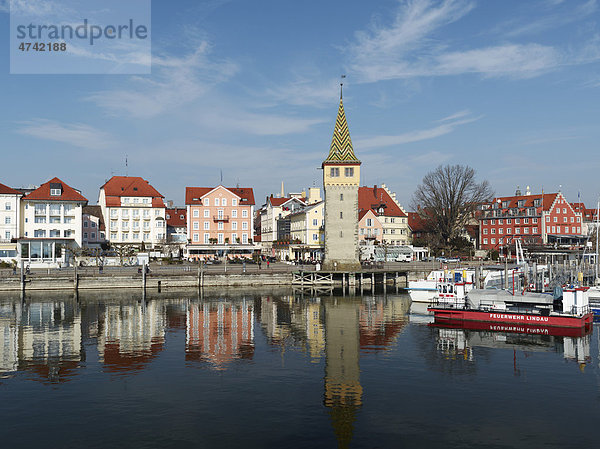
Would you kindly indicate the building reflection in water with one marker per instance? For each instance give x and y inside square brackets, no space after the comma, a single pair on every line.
[42,338]
[131,335]
[219,332]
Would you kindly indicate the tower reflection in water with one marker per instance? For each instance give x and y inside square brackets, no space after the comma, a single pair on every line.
[340,329]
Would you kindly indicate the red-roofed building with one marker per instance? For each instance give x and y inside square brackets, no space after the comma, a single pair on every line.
[94,229]
[134,212]
[535,219]
[219,221]
[52,221]
[10,216]
[589,217]
[276,209]
[391,215]
[176,229]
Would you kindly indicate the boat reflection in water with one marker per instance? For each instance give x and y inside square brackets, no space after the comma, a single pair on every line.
[459,338]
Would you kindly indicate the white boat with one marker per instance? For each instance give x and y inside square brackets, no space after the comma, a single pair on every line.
[424,290]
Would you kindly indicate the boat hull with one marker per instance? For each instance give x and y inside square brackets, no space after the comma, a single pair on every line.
[482,326]
[450,314]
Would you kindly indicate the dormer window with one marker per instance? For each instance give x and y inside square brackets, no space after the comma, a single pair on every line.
[55,189]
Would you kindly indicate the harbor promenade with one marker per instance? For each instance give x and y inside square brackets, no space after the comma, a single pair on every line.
[190,275]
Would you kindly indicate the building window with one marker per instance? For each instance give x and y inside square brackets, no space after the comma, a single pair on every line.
[220,238]
[196,237]
[54,192]
[564,219]
[220,226]
[245,213]
[564,210]
[349,172]
[500,221]
[206,225]
[341,233]
[234,202]
[223,201]
[517,230]
[501,230]
[526,230]
[555,219]
[485,241]
[315,236]
[6,220]
[69,233]
[369,222]
[234,238]
[217,202]
[7,235]
[206,238]
[341,197]
[244,225]
[534,230]
[493,222]
[206,213]
[145,201]
[493,241]
[572,219]
[234,225]
[85,234]
[196,225]
[113,236]
[535,220]
[244,239]
[93,235]
[508,230]
[234,213]
[526,220]
[485,231]
[334,172]
[136,236]
[341,214]
[315,222]
[493,230]
[517,220]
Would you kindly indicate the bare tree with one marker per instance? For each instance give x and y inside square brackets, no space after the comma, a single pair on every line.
[447,198]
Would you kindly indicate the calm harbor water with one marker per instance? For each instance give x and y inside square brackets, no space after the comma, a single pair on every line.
[277,369]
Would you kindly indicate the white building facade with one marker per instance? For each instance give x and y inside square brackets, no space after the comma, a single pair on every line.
[10,216]
[134,212]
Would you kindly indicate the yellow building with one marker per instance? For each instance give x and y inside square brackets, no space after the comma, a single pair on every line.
[307,229]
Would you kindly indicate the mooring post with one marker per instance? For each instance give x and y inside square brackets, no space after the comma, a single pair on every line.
[23,275]
[76,278]
[144,279]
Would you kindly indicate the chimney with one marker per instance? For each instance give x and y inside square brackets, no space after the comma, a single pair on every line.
[518,191]
[375,190]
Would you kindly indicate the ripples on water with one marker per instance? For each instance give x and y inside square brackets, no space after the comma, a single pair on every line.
[281,369]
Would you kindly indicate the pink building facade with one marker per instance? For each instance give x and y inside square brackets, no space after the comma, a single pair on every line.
[220,221]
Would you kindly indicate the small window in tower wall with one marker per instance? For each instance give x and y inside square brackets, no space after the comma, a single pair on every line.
[334,172]
[349,172]
[341,197]
[341,215]
[341,233]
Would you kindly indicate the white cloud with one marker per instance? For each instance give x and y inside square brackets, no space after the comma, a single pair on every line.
[307,92]
[414,136]
[175,81]
[74,134]
[236,119]
[408,48]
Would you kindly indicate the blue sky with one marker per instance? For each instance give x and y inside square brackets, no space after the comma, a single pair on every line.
[251,87]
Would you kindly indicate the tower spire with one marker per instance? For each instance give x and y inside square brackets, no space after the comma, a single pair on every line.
[341,149]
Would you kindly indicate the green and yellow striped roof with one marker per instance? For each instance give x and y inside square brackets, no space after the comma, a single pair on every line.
[341,145]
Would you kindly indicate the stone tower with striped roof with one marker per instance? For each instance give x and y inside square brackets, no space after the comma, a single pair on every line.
[341,179]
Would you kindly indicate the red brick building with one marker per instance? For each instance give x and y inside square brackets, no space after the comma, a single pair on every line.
[535,219]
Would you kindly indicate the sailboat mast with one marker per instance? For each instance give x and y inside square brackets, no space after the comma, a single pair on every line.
[597,232]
